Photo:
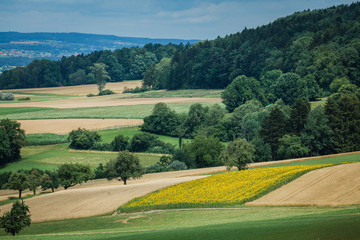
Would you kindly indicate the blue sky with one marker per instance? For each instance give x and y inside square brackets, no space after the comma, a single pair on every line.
[199,19]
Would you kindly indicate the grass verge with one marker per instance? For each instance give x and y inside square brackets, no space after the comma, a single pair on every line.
[49,157]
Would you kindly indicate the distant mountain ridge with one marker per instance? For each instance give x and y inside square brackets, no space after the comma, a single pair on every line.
[19,49]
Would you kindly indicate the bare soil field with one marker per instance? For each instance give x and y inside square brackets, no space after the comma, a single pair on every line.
[63,126]
[107,101]
[331,186]
[80,90]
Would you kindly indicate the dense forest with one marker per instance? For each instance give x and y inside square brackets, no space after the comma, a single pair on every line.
[318,46]
[126,63]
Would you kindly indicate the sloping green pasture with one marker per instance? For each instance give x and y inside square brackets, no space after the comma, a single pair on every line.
[271,223]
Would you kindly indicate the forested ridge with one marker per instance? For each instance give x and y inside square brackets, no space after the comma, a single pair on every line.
[319,46]
[126,63]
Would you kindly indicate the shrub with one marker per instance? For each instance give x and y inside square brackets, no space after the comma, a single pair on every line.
[135,90]
[91,95]
[98,146]
[106,92]
[83,139]
[7,96]
[155,168]
[120,143]
[24,99]
[176,166]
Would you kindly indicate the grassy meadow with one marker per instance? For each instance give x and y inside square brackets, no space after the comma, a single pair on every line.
[240,223]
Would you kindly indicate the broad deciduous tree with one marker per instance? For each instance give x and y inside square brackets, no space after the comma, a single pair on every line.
[124,167]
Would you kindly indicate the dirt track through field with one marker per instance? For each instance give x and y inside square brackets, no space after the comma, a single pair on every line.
[338,185]
[63,126]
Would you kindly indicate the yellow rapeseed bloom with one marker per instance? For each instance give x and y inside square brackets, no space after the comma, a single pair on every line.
[221,189]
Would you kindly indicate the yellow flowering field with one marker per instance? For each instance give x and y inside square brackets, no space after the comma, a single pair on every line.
[224,189]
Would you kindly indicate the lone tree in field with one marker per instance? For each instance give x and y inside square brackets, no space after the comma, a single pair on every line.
[124,167]
[101,75]
[238,153]
[18,181]
[16,219]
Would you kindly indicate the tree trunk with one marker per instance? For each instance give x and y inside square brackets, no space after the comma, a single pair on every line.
[34,191]
[125,181]
[52,189]
[19,193]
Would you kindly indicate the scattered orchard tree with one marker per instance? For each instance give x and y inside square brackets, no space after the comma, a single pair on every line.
[124,167]
[50,180]
[16,219]
[34,180]
[18,181]
[71,174]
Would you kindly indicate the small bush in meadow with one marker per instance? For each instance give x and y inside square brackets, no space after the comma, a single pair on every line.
[106,92]
[24,99]
[176,166]
[91,95]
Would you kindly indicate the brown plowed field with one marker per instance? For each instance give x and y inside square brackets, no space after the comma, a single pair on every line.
[63,126]
[331,186]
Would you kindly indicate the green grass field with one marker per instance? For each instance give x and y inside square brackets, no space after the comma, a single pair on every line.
[38,97]
[327,160]
[135,111]
[242,223]
[195,93]
[49,157]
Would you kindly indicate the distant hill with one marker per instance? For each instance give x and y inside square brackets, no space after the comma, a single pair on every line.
[19,49]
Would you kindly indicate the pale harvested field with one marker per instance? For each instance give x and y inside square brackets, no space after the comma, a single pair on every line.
[107,101]
[101,196]
[63,126]
[331,186]
[80,90]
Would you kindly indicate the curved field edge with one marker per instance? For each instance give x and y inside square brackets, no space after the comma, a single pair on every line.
[187,192]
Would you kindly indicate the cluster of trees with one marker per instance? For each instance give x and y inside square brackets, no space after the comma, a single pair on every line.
[67,175]
[276,131]
[142,142]
[126,63]
[312,48]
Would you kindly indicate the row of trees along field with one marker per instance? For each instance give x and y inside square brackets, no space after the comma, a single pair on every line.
[126,63]
[124,167]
